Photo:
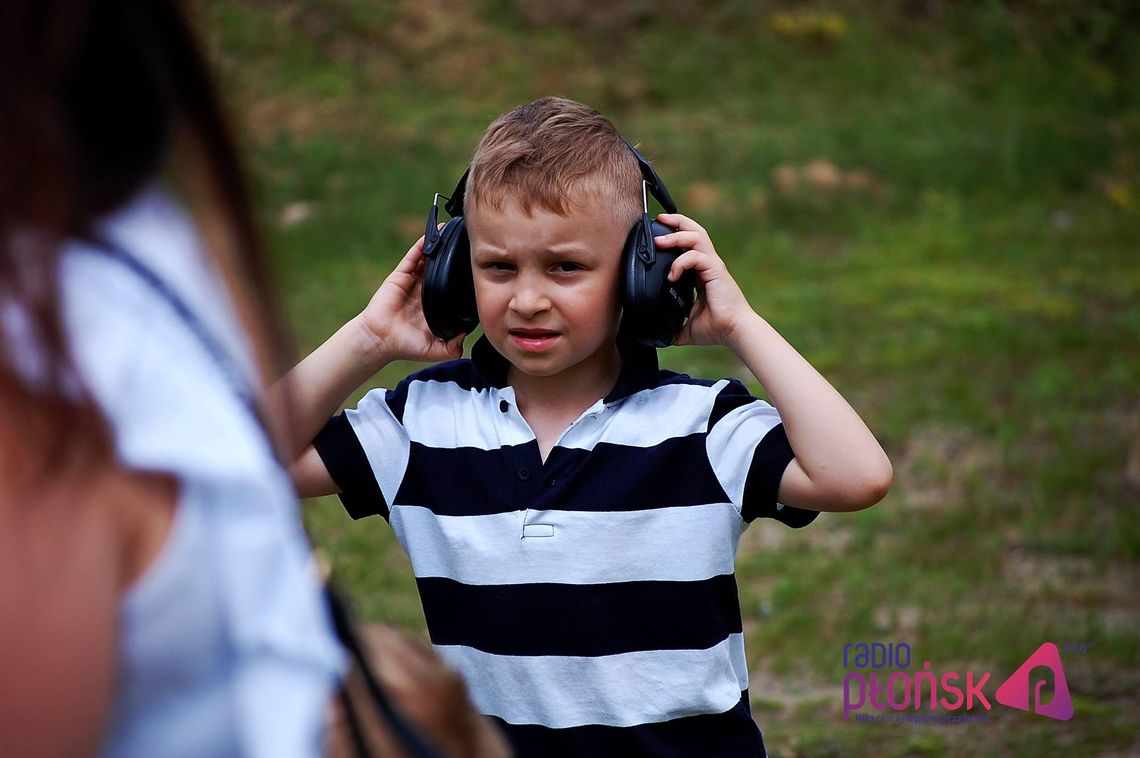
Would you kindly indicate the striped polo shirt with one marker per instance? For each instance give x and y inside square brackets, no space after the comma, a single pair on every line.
[589,600]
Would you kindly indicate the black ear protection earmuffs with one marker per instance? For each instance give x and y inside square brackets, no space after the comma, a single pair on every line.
[654,308]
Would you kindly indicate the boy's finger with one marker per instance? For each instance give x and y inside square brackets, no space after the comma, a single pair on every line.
[678,239]
[455,345]
[415,253]
[447,349]
[684,261]
[679,221]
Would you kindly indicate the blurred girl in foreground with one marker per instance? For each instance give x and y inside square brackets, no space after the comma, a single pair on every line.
[157,595]
[156,592]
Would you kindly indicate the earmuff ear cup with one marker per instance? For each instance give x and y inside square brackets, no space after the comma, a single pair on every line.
[448,289]
[654,308]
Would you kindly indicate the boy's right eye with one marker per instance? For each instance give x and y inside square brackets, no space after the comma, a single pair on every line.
[498,266]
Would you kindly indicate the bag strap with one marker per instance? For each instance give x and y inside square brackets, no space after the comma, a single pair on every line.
[407,735]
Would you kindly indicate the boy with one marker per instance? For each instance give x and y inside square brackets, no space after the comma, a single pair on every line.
[571,512]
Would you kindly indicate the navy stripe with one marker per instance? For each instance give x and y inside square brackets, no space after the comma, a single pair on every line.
[469,481]
[343,456]
[769,462]
[396,399]
[673,473]
[581,620]
[666,377]
[732,396]
[461,371]
[732,733]
[462,481]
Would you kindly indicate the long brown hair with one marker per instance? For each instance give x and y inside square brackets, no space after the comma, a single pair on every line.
[98,99]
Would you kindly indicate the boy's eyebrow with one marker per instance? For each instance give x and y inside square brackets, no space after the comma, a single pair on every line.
[486,251]
[572,248]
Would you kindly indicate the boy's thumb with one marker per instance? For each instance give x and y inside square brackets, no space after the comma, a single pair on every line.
[455,345]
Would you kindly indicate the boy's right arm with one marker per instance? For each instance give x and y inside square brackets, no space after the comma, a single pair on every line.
[391,327]
[310,475]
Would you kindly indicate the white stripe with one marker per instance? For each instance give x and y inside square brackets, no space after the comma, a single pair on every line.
[614,690]
[384,441]
[647,418]
[662,544]
[445,415]
[732,442]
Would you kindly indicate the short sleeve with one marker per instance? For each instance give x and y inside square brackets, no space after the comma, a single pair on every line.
[749,451]
[366,451]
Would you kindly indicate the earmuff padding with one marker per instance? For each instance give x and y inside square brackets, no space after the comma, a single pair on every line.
[654,308]
[448,289]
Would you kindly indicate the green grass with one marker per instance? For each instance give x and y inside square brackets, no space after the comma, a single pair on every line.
[976,296]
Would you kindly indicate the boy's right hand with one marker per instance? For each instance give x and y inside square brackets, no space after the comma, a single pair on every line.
[394,317]
[391,327]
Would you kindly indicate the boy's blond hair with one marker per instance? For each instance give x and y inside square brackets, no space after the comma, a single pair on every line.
[555,153]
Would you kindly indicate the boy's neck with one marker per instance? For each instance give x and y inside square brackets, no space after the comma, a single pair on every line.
[568,393]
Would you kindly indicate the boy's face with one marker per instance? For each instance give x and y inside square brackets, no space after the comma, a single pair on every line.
[547,286]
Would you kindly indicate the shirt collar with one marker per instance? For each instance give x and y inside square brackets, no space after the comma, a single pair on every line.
[639,369]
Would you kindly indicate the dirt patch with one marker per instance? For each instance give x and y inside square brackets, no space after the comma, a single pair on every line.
[937,462]
[1110,588]
[768,690]
[821,176]
[901,622]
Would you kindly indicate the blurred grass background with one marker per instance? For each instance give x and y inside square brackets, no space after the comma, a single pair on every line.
[937,203]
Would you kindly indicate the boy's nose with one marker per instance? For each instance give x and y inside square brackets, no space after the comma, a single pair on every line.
[529,300]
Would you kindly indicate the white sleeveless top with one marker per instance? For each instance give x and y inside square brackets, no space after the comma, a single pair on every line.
[225,645]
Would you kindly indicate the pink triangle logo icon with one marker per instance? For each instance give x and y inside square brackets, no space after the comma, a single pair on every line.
[1014,692]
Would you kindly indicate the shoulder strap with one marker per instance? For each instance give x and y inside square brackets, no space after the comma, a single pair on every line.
[225,362]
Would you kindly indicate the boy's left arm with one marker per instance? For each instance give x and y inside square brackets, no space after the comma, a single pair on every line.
[839,465]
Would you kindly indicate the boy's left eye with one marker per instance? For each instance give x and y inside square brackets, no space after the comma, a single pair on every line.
[566,267]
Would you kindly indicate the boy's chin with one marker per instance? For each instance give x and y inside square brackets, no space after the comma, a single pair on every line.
[534,366]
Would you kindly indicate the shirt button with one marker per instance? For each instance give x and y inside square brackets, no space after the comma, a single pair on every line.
[503,406]
[524,474]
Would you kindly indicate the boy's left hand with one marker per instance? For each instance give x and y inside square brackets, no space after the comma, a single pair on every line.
[721,304]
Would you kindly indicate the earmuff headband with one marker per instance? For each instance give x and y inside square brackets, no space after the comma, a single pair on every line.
[657,188]
[454,205]
[652,180]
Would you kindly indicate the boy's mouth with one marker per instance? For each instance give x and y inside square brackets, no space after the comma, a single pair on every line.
[532,340]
